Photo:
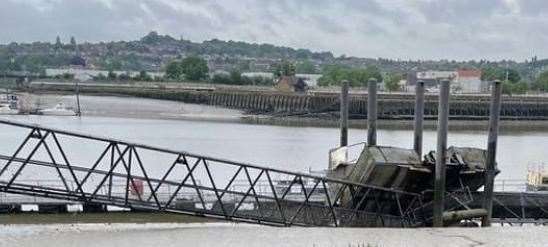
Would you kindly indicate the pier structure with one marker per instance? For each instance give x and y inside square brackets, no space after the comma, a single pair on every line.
[390,105]
[147,178]
[394,192]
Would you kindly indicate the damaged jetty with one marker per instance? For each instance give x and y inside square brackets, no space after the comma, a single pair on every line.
[445,178]
[366,184]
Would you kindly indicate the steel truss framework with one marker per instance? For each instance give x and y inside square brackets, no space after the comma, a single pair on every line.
[517,208]
[199,185]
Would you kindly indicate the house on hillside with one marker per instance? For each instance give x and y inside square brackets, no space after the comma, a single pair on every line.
[291,84]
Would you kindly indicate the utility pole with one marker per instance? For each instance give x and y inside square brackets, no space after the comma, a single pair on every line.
[441,154]
[494,115]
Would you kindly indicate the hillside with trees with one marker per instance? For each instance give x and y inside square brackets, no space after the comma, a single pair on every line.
[155,52]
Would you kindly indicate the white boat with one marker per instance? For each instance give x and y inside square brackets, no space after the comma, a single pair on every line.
[5,109]
[58,110]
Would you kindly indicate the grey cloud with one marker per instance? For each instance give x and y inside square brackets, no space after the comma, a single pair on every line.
[534,7]
[460,11]
[329,24]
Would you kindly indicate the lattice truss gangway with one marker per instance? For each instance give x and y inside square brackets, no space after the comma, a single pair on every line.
[95,170]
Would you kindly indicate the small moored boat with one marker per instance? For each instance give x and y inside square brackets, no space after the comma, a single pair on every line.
[5,109]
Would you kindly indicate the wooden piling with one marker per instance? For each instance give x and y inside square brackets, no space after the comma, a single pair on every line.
[344,113]
[441,154]
[372,112]
[494,113]
[419,117]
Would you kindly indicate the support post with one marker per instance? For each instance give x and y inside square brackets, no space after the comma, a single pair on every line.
[419,117]
[372,112]
[344,113]
[441,154]
[494,115]
[78,112]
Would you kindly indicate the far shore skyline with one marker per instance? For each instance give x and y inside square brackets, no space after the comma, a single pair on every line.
[66,40]
[395,29]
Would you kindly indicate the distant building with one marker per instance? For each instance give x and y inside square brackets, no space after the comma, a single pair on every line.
[291,84]
[469,81]
[88,74]
[462,80]
[311,80]
[259,74]
[431,78]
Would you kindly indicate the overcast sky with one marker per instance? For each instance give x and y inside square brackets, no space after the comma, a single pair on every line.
[404,29]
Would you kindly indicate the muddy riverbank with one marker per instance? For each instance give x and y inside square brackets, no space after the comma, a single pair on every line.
[133,107]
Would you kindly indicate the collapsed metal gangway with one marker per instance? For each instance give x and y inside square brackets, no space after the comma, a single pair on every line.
[516,207]
[156,179]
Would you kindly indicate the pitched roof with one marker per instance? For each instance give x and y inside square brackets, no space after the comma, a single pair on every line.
[469,72]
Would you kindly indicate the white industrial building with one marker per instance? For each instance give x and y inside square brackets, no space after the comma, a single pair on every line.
[462,80]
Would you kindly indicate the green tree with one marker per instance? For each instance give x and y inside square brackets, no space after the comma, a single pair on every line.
[513,85]
[510,88]
[541,83]
[124,77]
[58,44]
[285,68]
[100,77]
[68,76]
[194,68]
[143,76]
[221,79]
[112,63]
[333,75]
[14,65]
[392,82]
[498,73]
[236,77]
[174,70]
[73,44]
[306,67]
[112,76]
[372,72]
[520,87]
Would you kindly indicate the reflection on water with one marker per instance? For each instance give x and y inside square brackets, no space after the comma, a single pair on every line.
[291,148]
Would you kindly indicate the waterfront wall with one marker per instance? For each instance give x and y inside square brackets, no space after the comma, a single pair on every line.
[269,102]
